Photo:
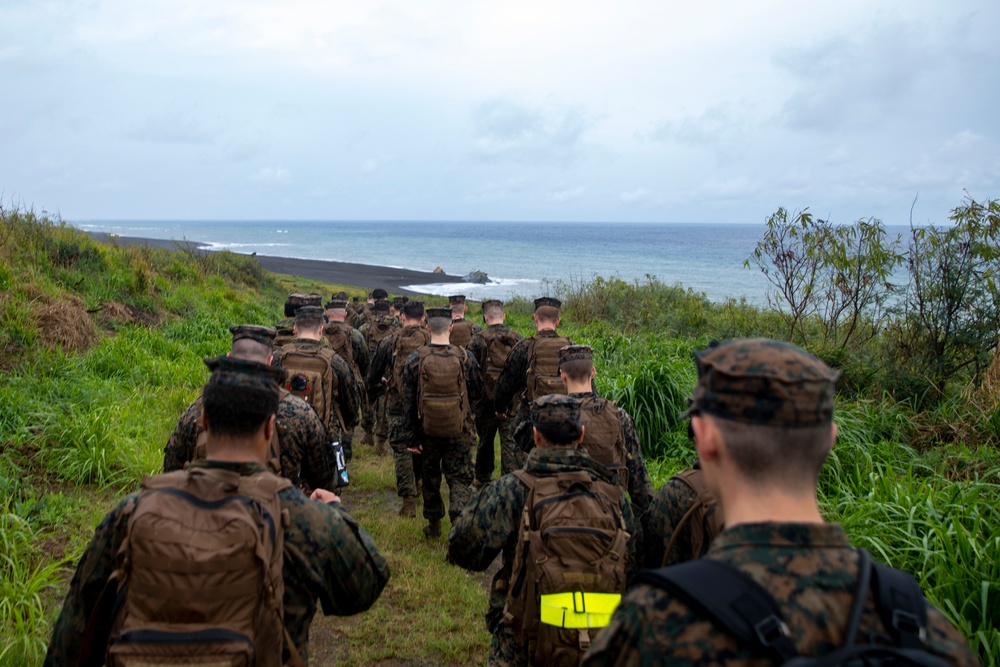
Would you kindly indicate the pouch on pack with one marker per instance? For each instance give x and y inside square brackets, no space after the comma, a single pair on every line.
[603,435]
[442,401]
[408,341]
[498,345]
[310,376]
[339,336]
[704,515]
[543,367]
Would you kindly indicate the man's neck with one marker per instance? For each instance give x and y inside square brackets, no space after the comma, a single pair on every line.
[441,339]
[577,387]
[748,504]
[545,327]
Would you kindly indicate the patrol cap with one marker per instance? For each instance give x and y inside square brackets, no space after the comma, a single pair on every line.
[491,303]
[575,353]
[379,293]
[439,312]
[336,304]
[233,372]
[264,335]
[456,299]
[309,314]
[765,382]
[547,301]
[414,310]
[381,306]
[298,300]
[557,418]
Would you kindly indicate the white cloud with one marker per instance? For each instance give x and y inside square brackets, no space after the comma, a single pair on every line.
[272,176]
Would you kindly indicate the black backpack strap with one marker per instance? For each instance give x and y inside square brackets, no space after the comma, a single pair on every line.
[731,599]
[901,604]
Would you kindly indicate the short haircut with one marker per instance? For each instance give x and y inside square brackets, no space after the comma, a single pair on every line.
[547,313]
[560,433]
[438,325]
[783,456]
[251,350]
[578,369]
[309,325]
[492,311]
[236,411]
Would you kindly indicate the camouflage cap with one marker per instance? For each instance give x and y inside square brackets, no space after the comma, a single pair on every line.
[414,310]
[309,314]
[439,312]
[575,353]
[336,304]
[763,381]
[547,301]
[299,300]
[555,409]
[456,299]
[381,307]
[233,372]
[492,303]
[264,335]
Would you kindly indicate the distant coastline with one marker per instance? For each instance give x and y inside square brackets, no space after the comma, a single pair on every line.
[341,273]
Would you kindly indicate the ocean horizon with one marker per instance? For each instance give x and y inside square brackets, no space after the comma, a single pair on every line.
[522,259]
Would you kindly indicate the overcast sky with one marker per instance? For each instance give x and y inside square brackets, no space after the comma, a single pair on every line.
[653,110]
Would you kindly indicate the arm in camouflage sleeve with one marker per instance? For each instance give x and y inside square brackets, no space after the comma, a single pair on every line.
[362,356]
[408,432]
[477,348]
[634,528]
[640,488]
[347,393]
[180,447]
[304,444]
[379,367]
[513,376]
[92,572]
[487,523]
[667,507]
[473,379]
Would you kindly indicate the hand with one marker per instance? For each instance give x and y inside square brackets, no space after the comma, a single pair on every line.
[325,496]
[419,449]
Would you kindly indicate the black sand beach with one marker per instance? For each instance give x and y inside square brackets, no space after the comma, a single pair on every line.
[341,273]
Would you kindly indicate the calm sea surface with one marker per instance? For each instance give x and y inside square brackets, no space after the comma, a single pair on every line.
[522,258]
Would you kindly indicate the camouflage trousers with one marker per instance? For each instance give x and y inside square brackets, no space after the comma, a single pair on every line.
[511,458]
[453,457]
[504,650]
[374,417]
[405,464]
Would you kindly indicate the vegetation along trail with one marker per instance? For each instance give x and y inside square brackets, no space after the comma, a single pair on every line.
[102,350]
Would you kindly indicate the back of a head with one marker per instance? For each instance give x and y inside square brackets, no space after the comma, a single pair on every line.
[252,343]
[309,319]
[493,311]
[547,310]
[556,418]
[438,320]
[577,362]
[773,405]
[413,311]
[240,396]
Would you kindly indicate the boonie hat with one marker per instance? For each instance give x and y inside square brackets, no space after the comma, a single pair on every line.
[765,382]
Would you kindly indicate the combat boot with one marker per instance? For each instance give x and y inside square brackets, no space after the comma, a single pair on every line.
[368,438]
[409,508]
[433,528]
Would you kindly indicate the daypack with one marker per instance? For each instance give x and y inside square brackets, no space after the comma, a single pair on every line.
[604,437]
[339,336]
[442,399]
[543,367]
[703,514]
[739,605]
[285,333]
[498,344]
[461,333]
[273,462]
[199,576]
[408,340]
[569,566]
[378,329]
[311,378]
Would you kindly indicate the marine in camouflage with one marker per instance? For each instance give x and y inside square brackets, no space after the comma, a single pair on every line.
[302,439]
[487,424]
[666,509]
[489,526]
[514,376]
[347,397]
[810,569]
[328,559]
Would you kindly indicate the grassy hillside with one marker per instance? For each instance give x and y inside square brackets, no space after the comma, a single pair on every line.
[102,349]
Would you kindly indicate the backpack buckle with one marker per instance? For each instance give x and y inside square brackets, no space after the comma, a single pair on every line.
[771,629]
[905,622]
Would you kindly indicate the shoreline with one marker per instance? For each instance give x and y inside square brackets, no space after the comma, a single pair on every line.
[365,276]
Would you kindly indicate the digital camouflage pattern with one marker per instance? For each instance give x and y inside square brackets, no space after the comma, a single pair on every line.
[763,381]
[263,335]
[327,558]
[640,488]
[383,367]
[491,521]
[555,409]
[666,509]
[452,456]
[305,459]
[810,569]
[487,424]
[347,397]
[360,360]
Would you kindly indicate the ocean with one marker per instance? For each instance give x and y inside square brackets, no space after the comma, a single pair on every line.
[522,259]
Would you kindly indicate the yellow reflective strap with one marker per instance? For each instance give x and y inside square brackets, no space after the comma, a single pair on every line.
[578,610]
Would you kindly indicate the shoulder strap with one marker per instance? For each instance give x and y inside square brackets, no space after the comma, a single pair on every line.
[901,604]
[730,599]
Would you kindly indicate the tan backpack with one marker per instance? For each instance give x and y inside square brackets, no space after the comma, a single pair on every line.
[569,566]
[339,336]
[543,367]
[199,572]
[704,515]
[442,399]
[461,333]
[378,329]
[311,378]
[408,341]
[498,344]
[604,437]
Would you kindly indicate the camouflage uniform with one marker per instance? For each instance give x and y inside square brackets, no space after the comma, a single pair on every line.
[490,524]
[360,360]
[666,510]
[453,456]
[346,398]
[328,557]
[487,424]
[374,417]
[302,439]
[809,568]
[640,489]
[793,562]
[406,467]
